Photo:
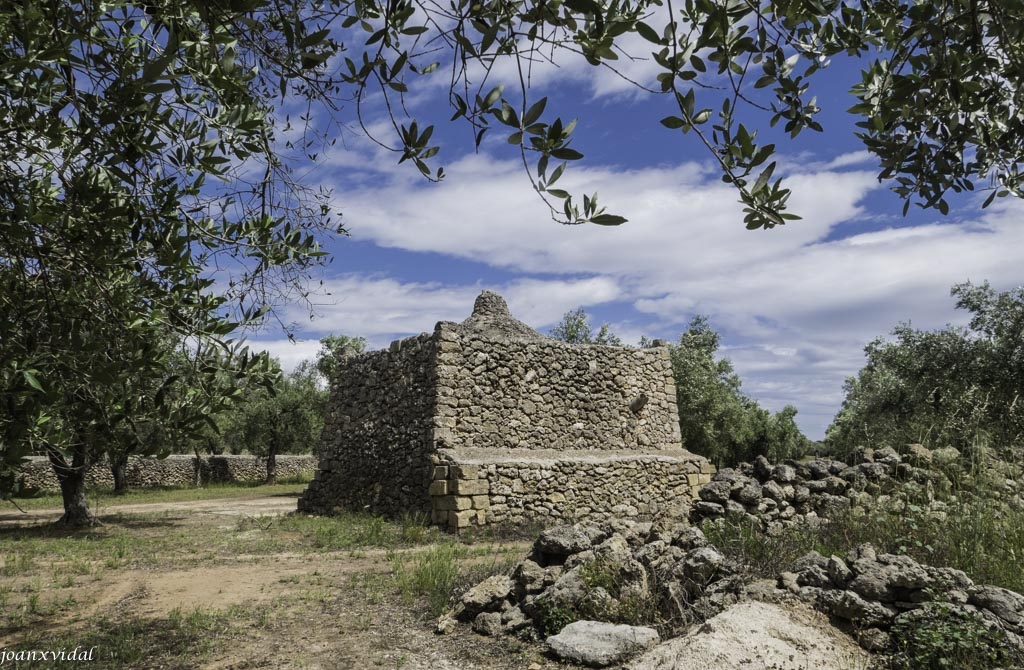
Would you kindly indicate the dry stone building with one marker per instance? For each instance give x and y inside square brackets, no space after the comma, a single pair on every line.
[488,421]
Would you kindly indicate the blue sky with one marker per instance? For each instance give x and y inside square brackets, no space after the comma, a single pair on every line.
[794,305]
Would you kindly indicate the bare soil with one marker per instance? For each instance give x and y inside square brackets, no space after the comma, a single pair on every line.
[286,609]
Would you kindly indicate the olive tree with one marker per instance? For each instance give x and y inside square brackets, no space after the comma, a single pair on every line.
[955,386]
[141,194]
[285,419]
[574,328]
[144,187]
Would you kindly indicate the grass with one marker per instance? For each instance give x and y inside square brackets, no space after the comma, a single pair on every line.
[100,498]
[127,642]
[980,536]
[431,574]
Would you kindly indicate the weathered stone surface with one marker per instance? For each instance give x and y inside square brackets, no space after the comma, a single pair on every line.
[566,540]
[784,474]
[888,578]
[716,492]
[488,623]
[757,635]
[598,644]
[852,607]
[36,474]
[488,595]
[750,494]
[516,425]
[1005,604]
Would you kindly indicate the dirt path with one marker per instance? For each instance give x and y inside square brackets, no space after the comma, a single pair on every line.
[231,507]
[291,607]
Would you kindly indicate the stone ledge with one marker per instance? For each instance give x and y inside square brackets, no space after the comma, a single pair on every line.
[464,457]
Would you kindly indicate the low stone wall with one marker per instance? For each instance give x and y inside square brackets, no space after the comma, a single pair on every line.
[36,475]
[476,487]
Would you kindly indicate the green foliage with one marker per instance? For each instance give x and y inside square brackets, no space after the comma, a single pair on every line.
[334,348]
[937,93]
[956,387]
[284,419]
[715,418]
[939,636]
[574,328]
[743,540]
[142,199]
[550,618]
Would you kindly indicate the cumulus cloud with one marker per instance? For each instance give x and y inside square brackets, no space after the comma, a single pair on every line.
[795,305]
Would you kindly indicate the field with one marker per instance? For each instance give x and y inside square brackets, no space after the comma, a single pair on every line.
[225,578]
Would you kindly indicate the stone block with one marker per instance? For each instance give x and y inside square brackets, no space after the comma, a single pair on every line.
[445,503]
[440,472]
[481,502]
[465,471]
[462,519]
[470,487]
[438,488]
[693,479]
[463,503]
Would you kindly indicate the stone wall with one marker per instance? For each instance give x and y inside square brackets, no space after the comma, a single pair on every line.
[476,488]
[36,475]
[546,394]
[489,421]
[378,432]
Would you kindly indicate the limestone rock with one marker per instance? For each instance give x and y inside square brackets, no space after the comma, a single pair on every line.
[561,541]
[488,595]
[488,623]
[716,492]
[598,644]
[757,635]
[1005,604]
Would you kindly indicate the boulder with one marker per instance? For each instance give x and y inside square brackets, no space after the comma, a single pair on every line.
[488,596]
[562,541]
[598,644]
[758,635]
[1005,604]
[488,623]
[750,494]
[889,579]
[855,609]
[784,474]
[716,492]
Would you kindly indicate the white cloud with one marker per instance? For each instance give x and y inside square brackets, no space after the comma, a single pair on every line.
[795,306]
[382,309]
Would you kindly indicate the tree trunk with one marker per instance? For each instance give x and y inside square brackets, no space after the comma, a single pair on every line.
[272,463]
[118,468]
[71,478]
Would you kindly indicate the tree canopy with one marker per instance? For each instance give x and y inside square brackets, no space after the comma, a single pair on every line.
[716,419]
[141,198]
[574,328]
[147,184]
[954,387]
[938,92]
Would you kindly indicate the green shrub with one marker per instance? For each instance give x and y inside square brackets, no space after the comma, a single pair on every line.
[940,637]
[550,618]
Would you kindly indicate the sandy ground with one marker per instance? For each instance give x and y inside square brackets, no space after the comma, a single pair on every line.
[320,611]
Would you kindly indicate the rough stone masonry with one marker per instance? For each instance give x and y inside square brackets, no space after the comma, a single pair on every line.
[488,421]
